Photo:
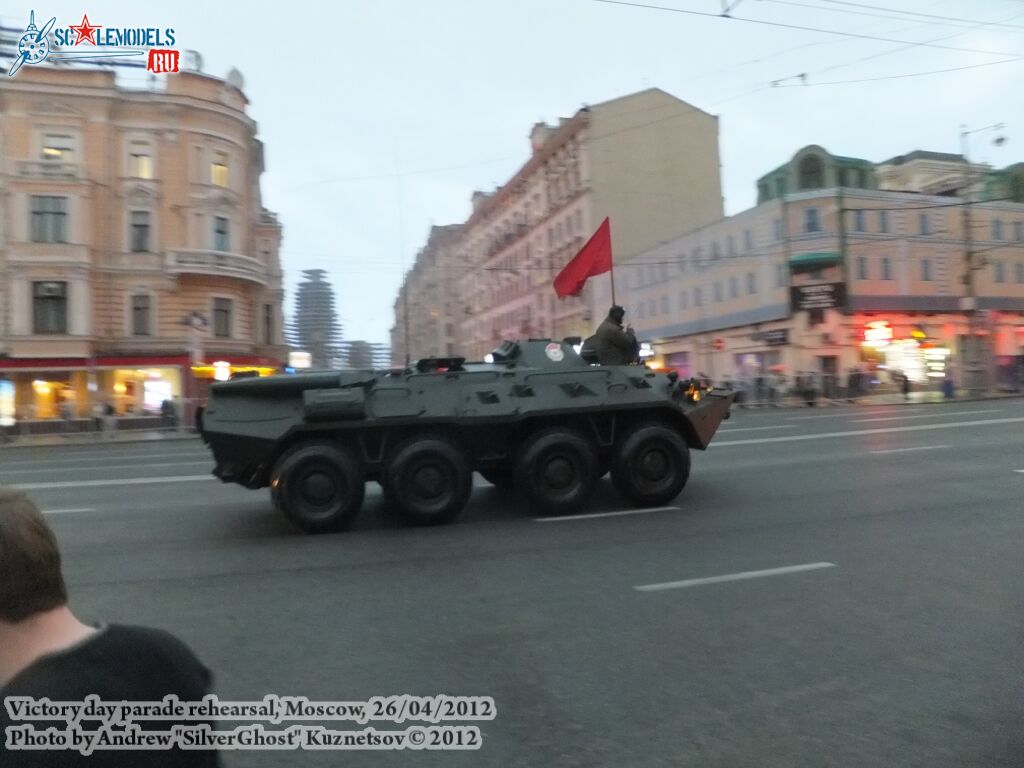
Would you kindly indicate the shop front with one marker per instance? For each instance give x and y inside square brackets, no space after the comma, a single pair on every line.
[890,351]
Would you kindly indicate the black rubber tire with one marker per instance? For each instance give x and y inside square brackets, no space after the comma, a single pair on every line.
[651,465]
[319,486]
[427,481]
[557,470]
[501,477]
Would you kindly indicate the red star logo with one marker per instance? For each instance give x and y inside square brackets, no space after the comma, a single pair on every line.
[85,30]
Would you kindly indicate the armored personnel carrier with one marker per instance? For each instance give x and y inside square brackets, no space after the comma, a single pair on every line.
[535,417]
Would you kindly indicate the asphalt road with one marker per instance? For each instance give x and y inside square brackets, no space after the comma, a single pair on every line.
[899,644]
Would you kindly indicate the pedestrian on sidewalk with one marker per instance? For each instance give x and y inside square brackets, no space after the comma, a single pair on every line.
[47,652]
[906,386]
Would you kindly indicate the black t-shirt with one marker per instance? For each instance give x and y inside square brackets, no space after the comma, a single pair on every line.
[117,663]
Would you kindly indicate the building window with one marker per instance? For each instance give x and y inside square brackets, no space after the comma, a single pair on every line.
[718,291]
[698,257]
[49,219]
[997,229]
[58,148]
[812,173]
[716,254]
[652,308]
[1020,271]
[812,220]
[683,298]
[49,308]
[751,283]
[777,225]
[641,310]
[219,169]
[923,226]
[841,177]
[268,324]
[221,239]
[763,192]
[731,246]
[886,268]
[140,161]
[663,269]
[862,268]
[859,223]
[222,318]
[141,313]
[883,222]
[781,276]
[1000,271]
[664,305]
[780,186]
[748,240]
[698,297]
[926,269]
[140,231]
[734,287]
[1018,231]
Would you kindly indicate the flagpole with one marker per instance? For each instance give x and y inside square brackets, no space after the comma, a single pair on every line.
[611,274]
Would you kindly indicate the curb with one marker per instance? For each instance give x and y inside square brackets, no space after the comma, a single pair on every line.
[827,404]
[41,441]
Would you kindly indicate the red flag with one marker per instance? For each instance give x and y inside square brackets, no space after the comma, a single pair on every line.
[594,258]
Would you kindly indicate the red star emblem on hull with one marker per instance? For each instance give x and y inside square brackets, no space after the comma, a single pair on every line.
[86,32]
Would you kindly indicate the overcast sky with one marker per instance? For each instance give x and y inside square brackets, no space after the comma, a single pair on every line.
[444,92]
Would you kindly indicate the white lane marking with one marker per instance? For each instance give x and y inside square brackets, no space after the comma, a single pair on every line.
[67,511]
[129,481]
[847,411]
[854,433]
[125,459]
[912,448]
[592,515]
[132,467]
[924,416]
[726,428]
[733,577]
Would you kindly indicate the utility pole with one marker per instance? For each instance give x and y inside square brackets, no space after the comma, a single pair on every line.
[975,367]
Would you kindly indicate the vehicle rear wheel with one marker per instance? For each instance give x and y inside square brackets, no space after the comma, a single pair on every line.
[651,465]
[318,486]
[427,481]
[557,469]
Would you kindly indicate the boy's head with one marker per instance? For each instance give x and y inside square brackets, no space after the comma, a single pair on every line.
[30,574]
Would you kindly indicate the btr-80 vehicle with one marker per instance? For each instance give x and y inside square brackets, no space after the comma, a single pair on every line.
[535,417]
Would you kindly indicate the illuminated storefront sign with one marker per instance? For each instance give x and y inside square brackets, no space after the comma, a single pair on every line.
[6,403]
[877,334]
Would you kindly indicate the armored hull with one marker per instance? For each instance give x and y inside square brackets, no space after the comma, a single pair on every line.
[537,418]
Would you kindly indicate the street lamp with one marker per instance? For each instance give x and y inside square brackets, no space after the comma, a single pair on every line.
[975,369]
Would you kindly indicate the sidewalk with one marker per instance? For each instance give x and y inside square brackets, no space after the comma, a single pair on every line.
[96,438]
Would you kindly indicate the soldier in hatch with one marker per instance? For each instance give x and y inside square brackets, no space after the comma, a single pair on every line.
[611,344]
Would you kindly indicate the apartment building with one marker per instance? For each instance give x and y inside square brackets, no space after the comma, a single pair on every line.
[648,161]
[136,259]
[794,285]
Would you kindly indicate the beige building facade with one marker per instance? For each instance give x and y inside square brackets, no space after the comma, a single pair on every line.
[134,249]
[647,161]
[429,299]
[789,286]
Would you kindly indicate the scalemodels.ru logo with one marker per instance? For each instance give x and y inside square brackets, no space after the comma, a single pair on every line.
[101,42]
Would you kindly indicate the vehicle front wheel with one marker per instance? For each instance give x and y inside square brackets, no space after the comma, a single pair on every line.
[318,486]
[556,470]
[651,466]
[428,481]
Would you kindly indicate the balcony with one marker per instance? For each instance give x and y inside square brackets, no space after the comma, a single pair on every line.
[48,169]
[216,263]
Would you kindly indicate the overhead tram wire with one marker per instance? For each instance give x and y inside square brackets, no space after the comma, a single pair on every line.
[947,22]
[917,14]
[801,27]
[779,84]
[804,76]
